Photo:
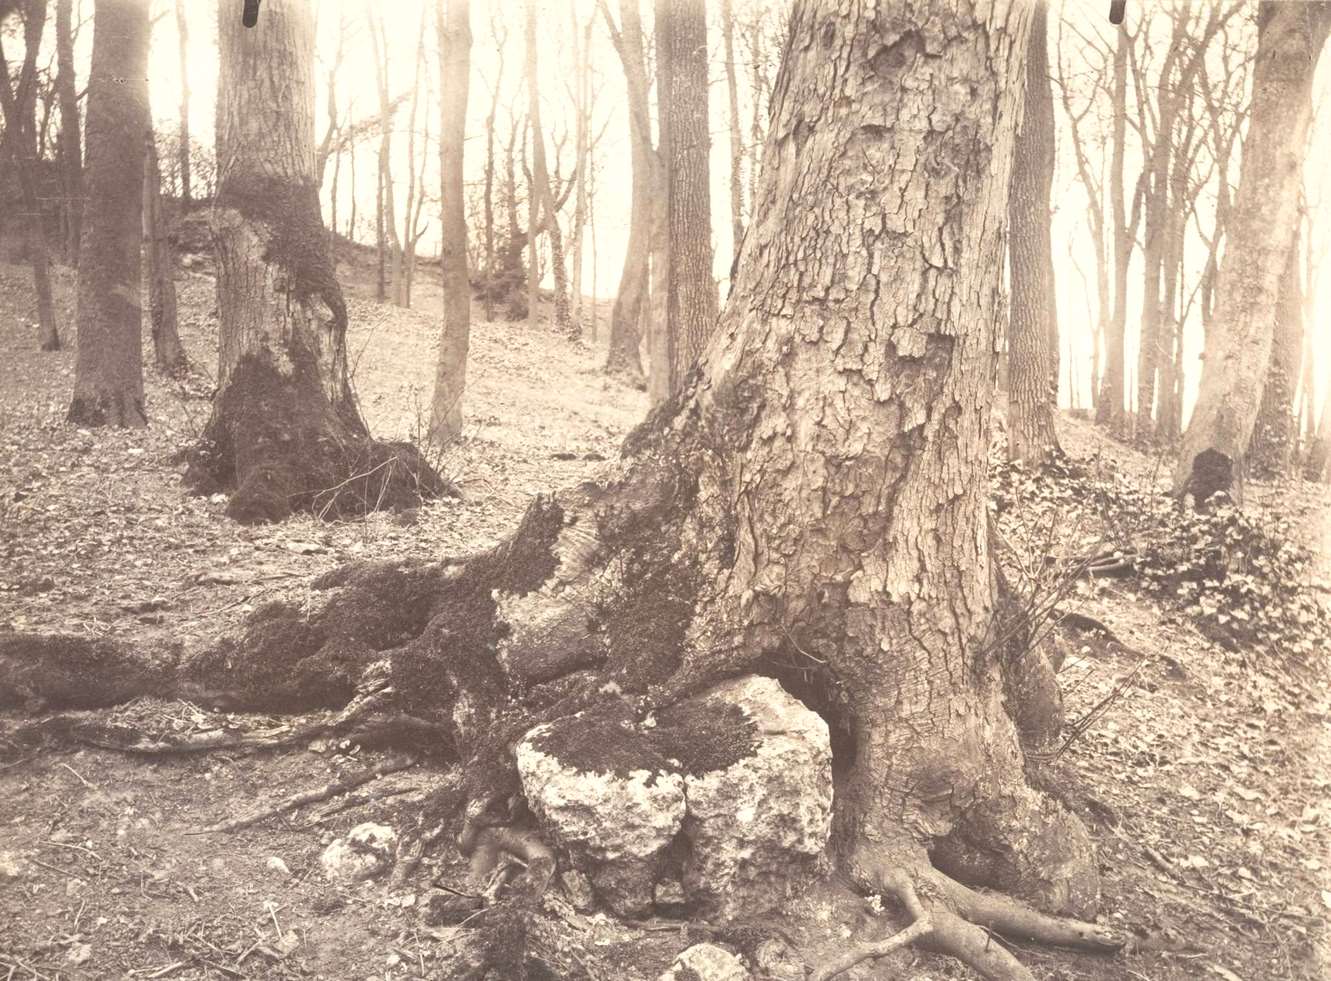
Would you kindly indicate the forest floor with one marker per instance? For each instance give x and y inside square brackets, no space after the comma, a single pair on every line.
[1205,777]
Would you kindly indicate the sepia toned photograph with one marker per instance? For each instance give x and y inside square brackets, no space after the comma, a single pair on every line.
[665,490]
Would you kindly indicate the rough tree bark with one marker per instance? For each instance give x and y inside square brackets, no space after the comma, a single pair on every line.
[815,497]
[285,433]
[454,26]
[1033,326]
[20,145]
[160,261]
[108,373]
[70,143]
[1271,447]
[1265,208]
[690,301]
[646,216]
[183,147]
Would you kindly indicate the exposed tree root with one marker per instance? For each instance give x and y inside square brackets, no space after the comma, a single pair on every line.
[921,924]
[962,922]
[309,797]
[93,730]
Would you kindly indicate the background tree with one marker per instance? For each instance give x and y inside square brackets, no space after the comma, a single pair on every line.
[1033,326]
[691,300]
[285,433]
[389,243]
[70,142]
[1238,347]
[159,255]
[632,307]
[543,211]
[183,147]
[453,21]
[18,101]
[108,375]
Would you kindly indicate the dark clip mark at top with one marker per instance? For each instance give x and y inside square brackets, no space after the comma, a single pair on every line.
[251,15]
[1116,8]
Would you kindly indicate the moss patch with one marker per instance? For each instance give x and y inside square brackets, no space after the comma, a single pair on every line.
[695,737]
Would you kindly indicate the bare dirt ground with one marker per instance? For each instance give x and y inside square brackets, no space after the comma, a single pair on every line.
[1205,781]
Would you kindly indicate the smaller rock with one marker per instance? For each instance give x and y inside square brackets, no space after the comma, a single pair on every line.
[79,954]
[366,851]
[275,864]
[578,888]
[706,962]
[12,866]
[669,897]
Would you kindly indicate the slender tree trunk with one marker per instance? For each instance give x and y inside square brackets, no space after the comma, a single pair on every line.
[409,217]
[1157,204]
[183,149]
[351,217]
[1317,467]
[736,137]
[1109,408]
[286,433]
[488,292]
[1238,347]
[160,259]
[1033,326]
[691,301]
[454,27]
[389,241]
[108,375]
[70,144]
[545,216]
[20,145]
[582,140]
[632,307]
[517,281]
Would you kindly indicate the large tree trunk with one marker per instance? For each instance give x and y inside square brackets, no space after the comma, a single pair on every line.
[454,26]
[285,433]
[20,145]
[108,377]
[1271,448]
[1238,347]
[1033,327]
[632,301]
[813,504]
[70,143]
[690,301]
[160,258]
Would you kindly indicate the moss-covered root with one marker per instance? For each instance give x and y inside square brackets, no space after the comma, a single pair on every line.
[952,919]
[278,446]
[46,670]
